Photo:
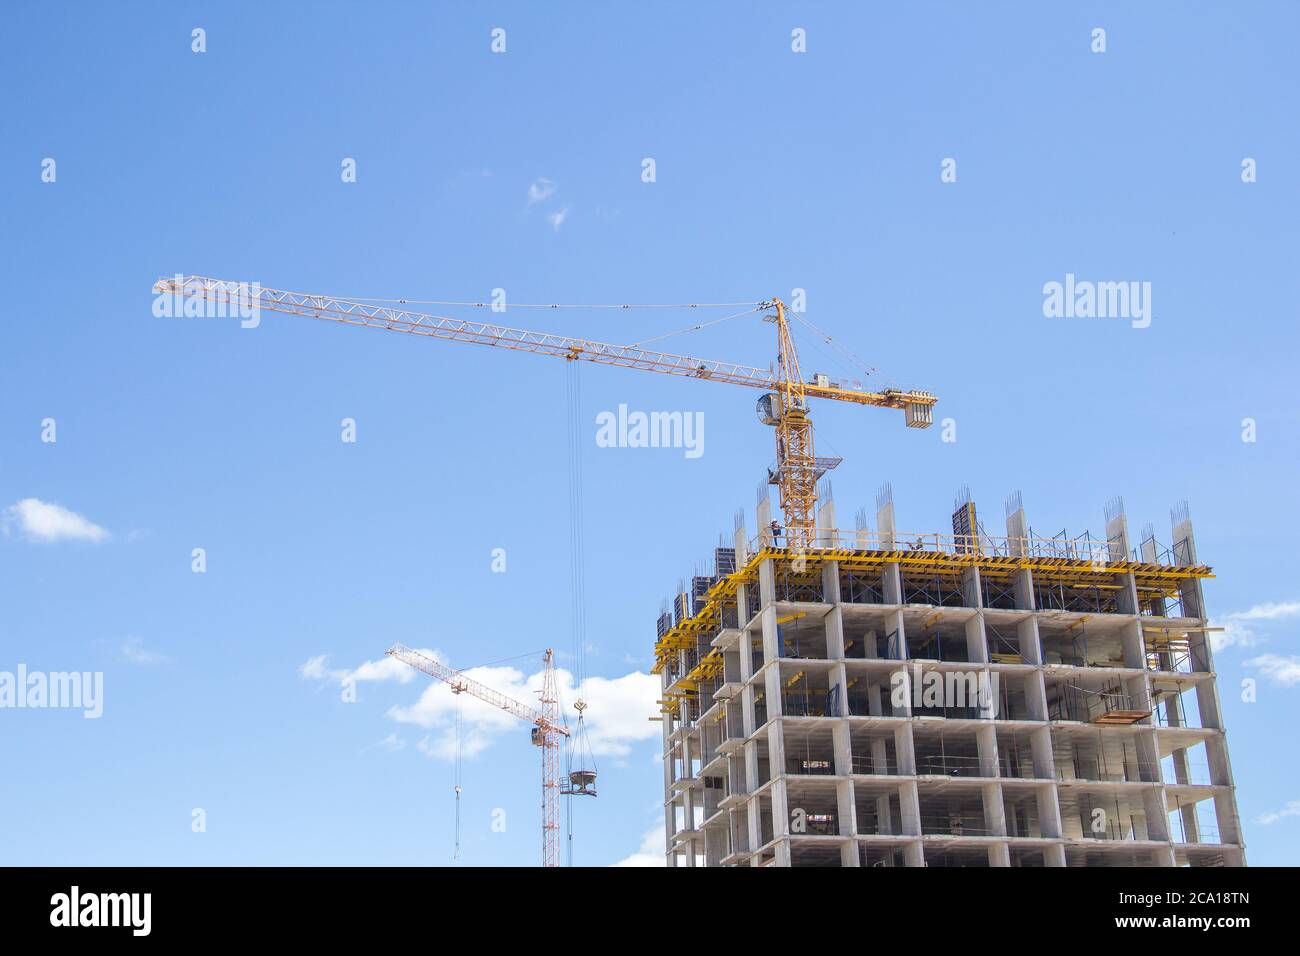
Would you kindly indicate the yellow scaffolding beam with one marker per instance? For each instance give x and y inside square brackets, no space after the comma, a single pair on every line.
[1151,579]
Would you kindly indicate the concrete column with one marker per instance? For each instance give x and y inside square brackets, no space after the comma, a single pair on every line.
[846,809]
[977,648]
[1049,811]
[826,523]
[904,750]
[995,816]
[831,582]
[764,514]
[901,690]
[1117,543]
[1126,599]
[1036,695]
[834,624]
[842,746]
[880,760]
[884,814]
[751,765]
[741,544]
[754,824]
[1133,643]
[849,854]
[1040,744]
[1017,526]
[766,583]
[776,764]
[1031,648]
[1024,590]
[669,826]
[1155,803]
[896,649]
[891,583]
[771,641]
[885,519]
[972,593]
[910,807]
[986,740]
[1019,545]
[1185,554]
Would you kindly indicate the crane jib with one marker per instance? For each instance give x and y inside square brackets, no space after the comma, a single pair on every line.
[797,467]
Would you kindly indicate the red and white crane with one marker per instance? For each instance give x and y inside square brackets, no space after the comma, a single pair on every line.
[547,730]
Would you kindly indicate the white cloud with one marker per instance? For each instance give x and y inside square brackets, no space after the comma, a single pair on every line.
[1234,634]
[1292,809]
[1269,612]
[1280,670]
[390,743]
[556,219]
[617,714]
[618,710]
[45,522]
[651,852]
[384,669]
[1237,631]
[541,190]
[314,669]
[388,668]
[133,650]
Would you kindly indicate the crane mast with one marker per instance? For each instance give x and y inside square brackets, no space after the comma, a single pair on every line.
[797,470]
[785,406]
[547,729]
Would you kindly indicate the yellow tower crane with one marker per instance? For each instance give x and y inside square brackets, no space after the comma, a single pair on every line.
[785,405]
[547,730]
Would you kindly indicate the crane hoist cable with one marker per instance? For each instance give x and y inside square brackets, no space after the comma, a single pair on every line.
[456,852]
[577,568]
[577,530]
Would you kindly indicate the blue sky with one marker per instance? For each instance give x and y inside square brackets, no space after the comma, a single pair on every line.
[775,171]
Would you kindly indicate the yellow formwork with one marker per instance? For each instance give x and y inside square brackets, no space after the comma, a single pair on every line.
[1151,579]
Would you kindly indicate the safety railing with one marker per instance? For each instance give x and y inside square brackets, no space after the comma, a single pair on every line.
[1090,769]
[867,765]
[949,824]
[1084,547]
[810,766]
[1195,773]
[947,765]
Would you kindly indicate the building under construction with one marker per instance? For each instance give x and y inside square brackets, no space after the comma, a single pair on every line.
[885,698]
[878,698]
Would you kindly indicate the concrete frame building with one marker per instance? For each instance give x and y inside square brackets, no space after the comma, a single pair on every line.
[902,699]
